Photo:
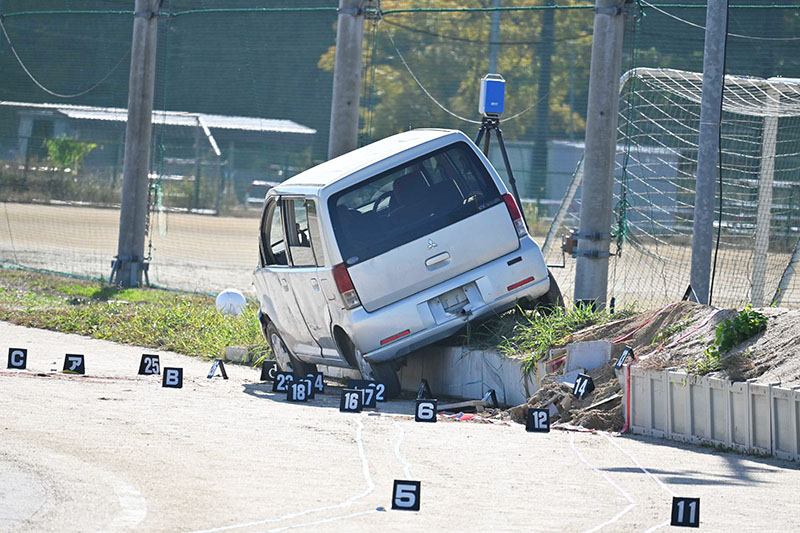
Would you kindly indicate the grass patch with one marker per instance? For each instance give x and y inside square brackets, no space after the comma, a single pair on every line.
[531,334]
[154,318]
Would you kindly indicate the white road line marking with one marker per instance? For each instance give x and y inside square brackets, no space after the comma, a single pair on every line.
[610,481]
[134,506]
[346,503]
[406,470]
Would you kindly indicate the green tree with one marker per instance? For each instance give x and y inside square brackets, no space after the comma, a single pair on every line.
[68,153]
[448,52]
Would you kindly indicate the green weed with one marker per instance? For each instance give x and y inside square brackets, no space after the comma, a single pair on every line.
[180,322]
[729,333]
[531,334]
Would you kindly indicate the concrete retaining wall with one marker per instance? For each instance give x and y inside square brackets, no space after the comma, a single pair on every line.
[453,371]
[744,416]
[458,373]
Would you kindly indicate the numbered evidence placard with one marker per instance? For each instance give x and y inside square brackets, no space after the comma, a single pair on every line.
[425,410]
[282,381]
[268,370]
[149,365]
[406,494]
[300,390]
[351,401]
[318,381]
[74,363]
[378,387]
[17,358]
[173,378]
[538,421]
[583,386]
[685,512]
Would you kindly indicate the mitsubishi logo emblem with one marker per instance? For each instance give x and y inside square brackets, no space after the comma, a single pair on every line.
[431,244]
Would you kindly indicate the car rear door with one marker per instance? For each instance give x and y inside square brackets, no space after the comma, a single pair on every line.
[308,271]
[420,224]
[273,279]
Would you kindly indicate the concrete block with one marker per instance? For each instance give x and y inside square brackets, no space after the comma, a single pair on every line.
[570,377]
[588,355]
[455,372]
[339,372]
[237,354]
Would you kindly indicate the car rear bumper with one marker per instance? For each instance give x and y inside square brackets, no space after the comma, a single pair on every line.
[492,288]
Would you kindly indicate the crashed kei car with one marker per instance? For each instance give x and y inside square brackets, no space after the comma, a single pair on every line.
[387,249]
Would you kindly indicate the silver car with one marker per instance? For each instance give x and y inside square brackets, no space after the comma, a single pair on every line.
[389,248]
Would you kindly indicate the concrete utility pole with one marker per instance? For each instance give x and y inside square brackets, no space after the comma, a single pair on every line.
[129,263]
[708,148]
[494,37]
[591,271]
[544,51]
[346,78]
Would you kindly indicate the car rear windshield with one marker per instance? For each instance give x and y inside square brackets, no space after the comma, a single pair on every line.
[410,201]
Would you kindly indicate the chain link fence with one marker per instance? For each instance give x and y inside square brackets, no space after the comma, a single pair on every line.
[256,82]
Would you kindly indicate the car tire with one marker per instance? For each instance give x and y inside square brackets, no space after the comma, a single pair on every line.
[549,301]
[387,373]
[285,358]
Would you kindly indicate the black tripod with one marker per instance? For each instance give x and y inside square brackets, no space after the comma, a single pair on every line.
[492,122]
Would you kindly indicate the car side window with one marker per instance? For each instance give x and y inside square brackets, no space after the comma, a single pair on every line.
[298,234]
[313,228]
[273,243]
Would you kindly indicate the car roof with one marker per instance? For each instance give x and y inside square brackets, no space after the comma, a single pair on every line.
[345,165]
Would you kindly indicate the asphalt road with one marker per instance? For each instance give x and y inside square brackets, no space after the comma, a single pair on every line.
[113,451]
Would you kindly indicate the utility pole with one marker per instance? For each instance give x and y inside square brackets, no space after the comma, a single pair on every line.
[346,78]
[708,148]
[494,38]
[594,238]
[129,264]
[544,51]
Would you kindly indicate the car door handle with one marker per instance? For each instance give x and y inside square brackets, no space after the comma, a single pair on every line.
[285,285]
[315,284]
[436,259]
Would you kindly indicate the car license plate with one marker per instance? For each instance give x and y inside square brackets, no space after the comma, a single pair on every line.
[454,300]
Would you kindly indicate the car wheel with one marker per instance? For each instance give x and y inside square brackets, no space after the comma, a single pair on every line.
[552,299]
[387,373]
[549,301]
[286,360]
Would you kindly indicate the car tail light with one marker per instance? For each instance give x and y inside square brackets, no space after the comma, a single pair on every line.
[516,216]
[345,286]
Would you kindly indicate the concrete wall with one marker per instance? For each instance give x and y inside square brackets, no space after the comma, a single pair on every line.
[453,371]
[745,416]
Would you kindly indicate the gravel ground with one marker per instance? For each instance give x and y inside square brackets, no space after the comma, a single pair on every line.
[113,451]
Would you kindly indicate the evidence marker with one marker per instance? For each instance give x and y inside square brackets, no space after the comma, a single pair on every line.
[17,358]
[173,378]
[74,364]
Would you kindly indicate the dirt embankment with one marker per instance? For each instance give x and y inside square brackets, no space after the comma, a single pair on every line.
[672,337]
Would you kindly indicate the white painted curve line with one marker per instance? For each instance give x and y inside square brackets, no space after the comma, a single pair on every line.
[324,521]
[656,527]
[646,471]
[638,464]
[133,504]
[406,470]
[347,502]
[631,501]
